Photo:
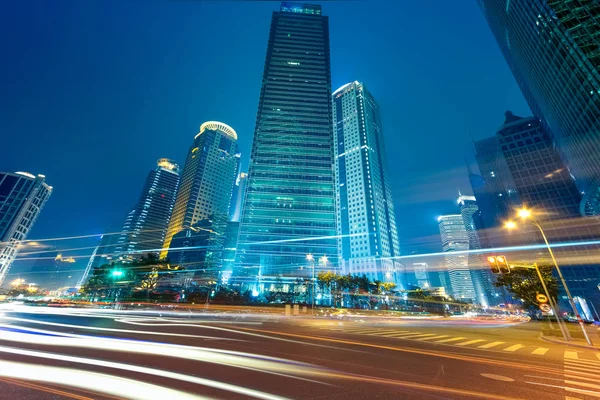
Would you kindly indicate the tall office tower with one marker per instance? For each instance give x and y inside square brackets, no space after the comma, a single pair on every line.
[551,47]
[421,275]
[22,197]
[540,176]
[146,225]
[237,200]
[480,273]
[544,184]
[207,180]
[366,223]
[455,238]
[289,207]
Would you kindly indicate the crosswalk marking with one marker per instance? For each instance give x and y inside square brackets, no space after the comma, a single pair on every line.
[387,332]
[468,342]
[582,369]
[361,331]
[584,384]
[400,334]
[514,347]
[593,378]
[417,336]
[571,355]
[584,363]
[598,356]
[540,351]
[435,337]
[490,345]
[450,340]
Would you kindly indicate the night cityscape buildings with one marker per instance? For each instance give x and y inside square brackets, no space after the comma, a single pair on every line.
[22,197]
[366,222]
[289,206]
[237,199]
[455,241]
[146,225]
[551,46]
[208,178]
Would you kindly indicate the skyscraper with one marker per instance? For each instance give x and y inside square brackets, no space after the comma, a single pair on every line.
[146,225]
[456,239]
[289,207]
[22,197]
[480,273]
[366,223]
[551,46]
[421,275]
[207,180]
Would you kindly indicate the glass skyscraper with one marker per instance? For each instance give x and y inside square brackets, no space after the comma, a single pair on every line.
[146,225]
[366,223]
[289,207]
[207,180]
[455,238]
[553,50]
[22,197]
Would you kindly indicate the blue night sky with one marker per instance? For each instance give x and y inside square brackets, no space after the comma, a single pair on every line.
[93,92]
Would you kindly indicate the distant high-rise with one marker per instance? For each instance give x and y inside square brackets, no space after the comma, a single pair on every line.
[146,225]
[551,46]
[207,180]
[289,207]
[480,273]
[455,238]
[22,197]
[366,223]
[421,275]
[237,200]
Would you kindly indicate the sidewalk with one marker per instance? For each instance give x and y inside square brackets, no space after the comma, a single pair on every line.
[577,341]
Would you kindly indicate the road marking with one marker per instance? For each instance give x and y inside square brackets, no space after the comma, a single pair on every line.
[586,385]
[540,351]
[498,377]
[435,337]
[386,332]
[582,369]
[450,340]
[598,356]
[583,363]
[514,348]
[583,378]
[468,342]
[572,398]
[399,334]
[490,345]
[571,355]
[361,331]
[544,377]
[417,336]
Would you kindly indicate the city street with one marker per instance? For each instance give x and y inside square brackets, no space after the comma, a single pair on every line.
[79,353]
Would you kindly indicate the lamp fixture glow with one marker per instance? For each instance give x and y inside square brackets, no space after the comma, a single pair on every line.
[524,213]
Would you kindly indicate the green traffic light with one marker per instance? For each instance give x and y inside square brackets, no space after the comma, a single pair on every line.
[117,273]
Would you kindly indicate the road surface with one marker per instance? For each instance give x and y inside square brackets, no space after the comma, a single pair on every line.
[50,353]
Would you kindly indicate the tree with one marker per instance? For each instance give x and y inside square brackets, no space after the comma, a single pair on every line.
[524,284]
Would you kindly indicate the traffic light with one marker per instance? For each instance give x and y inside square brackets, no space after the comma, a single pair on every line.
[493,263]
[503,265]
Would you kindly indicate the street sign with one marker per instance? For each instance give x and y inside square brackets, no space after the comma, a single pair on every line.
[541,298]
[545,308]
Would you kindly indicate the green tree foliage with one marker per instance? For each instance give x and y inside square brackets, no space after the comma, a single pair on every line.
[524,283]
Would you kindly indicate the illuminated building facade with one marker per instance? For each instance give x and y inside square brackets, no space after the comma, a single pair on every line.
[366,223]
[146,225]
[455,238]
[552,48]
[22,197]
[207,180]
[421,275]
[480,273]
[289,207]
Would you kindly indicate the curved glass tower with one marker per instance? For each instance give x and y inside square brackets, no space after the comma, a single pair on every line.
[207,180]
[289,208]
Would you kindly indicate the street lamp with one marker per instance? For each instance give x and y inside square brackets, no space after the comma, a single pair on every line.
[527,216]
[311,260]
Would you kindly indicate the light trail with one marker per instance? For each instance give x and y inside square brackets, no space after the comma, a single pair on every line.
[101,383]
[144,370]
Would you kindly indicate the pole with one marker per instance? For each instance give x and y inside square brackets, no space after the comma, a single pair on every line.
[579,320]
[313,287]
[563,329]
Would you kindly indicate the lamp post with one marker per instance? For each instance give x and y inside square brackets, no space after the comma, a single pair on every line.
[311,261]
[527,215]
